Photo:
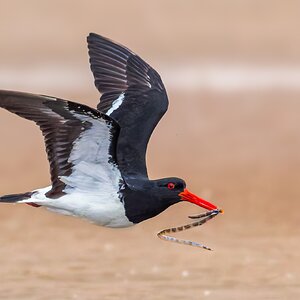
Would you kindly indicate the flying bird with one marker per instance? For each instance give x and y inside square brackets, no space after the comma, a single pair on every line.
[97,156]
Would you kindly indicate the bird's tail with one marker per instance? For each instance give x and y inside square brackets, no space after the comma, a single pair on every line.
[14,198]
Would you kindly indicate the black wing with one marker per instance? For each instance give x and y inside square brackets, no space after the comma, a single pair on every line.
[72,134]
[133,95]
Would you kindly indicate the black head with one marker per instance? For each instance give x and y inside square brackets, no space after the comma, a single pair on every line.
[144,199]
[168,189]
[174,190]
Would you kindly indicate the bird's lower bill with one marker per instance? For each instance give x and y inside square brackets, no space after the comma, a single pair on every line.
[188,196]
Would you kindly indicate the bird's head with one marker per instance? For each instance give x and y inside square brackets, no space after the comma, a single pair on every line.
[174,190]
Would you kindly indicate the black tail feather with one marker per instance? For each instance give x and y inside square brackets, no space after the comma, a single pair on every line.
[13,198]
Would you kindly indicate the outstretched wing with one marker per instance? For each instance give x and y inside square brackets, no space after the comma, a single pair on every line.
[132,94]
[79,140]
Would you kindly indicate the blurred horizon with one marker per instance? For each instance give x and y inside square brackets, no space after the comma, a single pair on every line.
[232,72]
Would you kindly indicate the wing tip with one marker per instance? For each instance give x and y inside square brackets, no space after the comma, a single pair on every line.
[95,37]
[8,95]
[91,36]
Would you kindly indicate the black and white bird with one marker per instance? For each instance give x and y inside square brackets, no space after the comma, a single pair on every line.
[97,156]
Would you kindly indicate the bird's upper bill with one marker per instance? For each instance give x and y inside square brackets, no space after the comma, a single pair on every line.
[188,196]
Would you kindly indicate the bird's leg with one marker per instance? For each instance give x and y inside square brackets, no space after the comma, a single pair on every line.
[205,217]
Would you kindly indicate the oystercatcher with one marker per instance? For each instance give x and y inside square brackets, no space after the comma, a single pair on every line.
[97,156]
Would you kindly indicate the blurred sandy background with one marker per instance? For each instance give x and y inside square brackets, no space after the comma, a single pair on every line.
[232,70]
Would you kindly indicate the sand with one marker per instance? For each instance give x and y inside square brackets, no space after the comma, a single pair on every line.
[256,241]
[238,148]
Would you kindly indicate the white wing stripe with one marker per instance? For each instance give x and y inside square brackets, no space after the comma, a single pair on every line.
[116,104]
[90,158]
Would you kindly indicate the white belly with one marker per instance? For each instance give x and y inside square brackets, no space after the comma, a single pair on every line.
[104,208]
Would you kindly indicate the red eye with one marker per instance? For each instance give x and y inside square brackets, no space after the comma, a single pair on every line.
[171,185]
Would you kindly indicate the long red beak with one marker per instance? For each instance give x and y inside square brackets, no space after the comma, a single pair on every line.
[188,196]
